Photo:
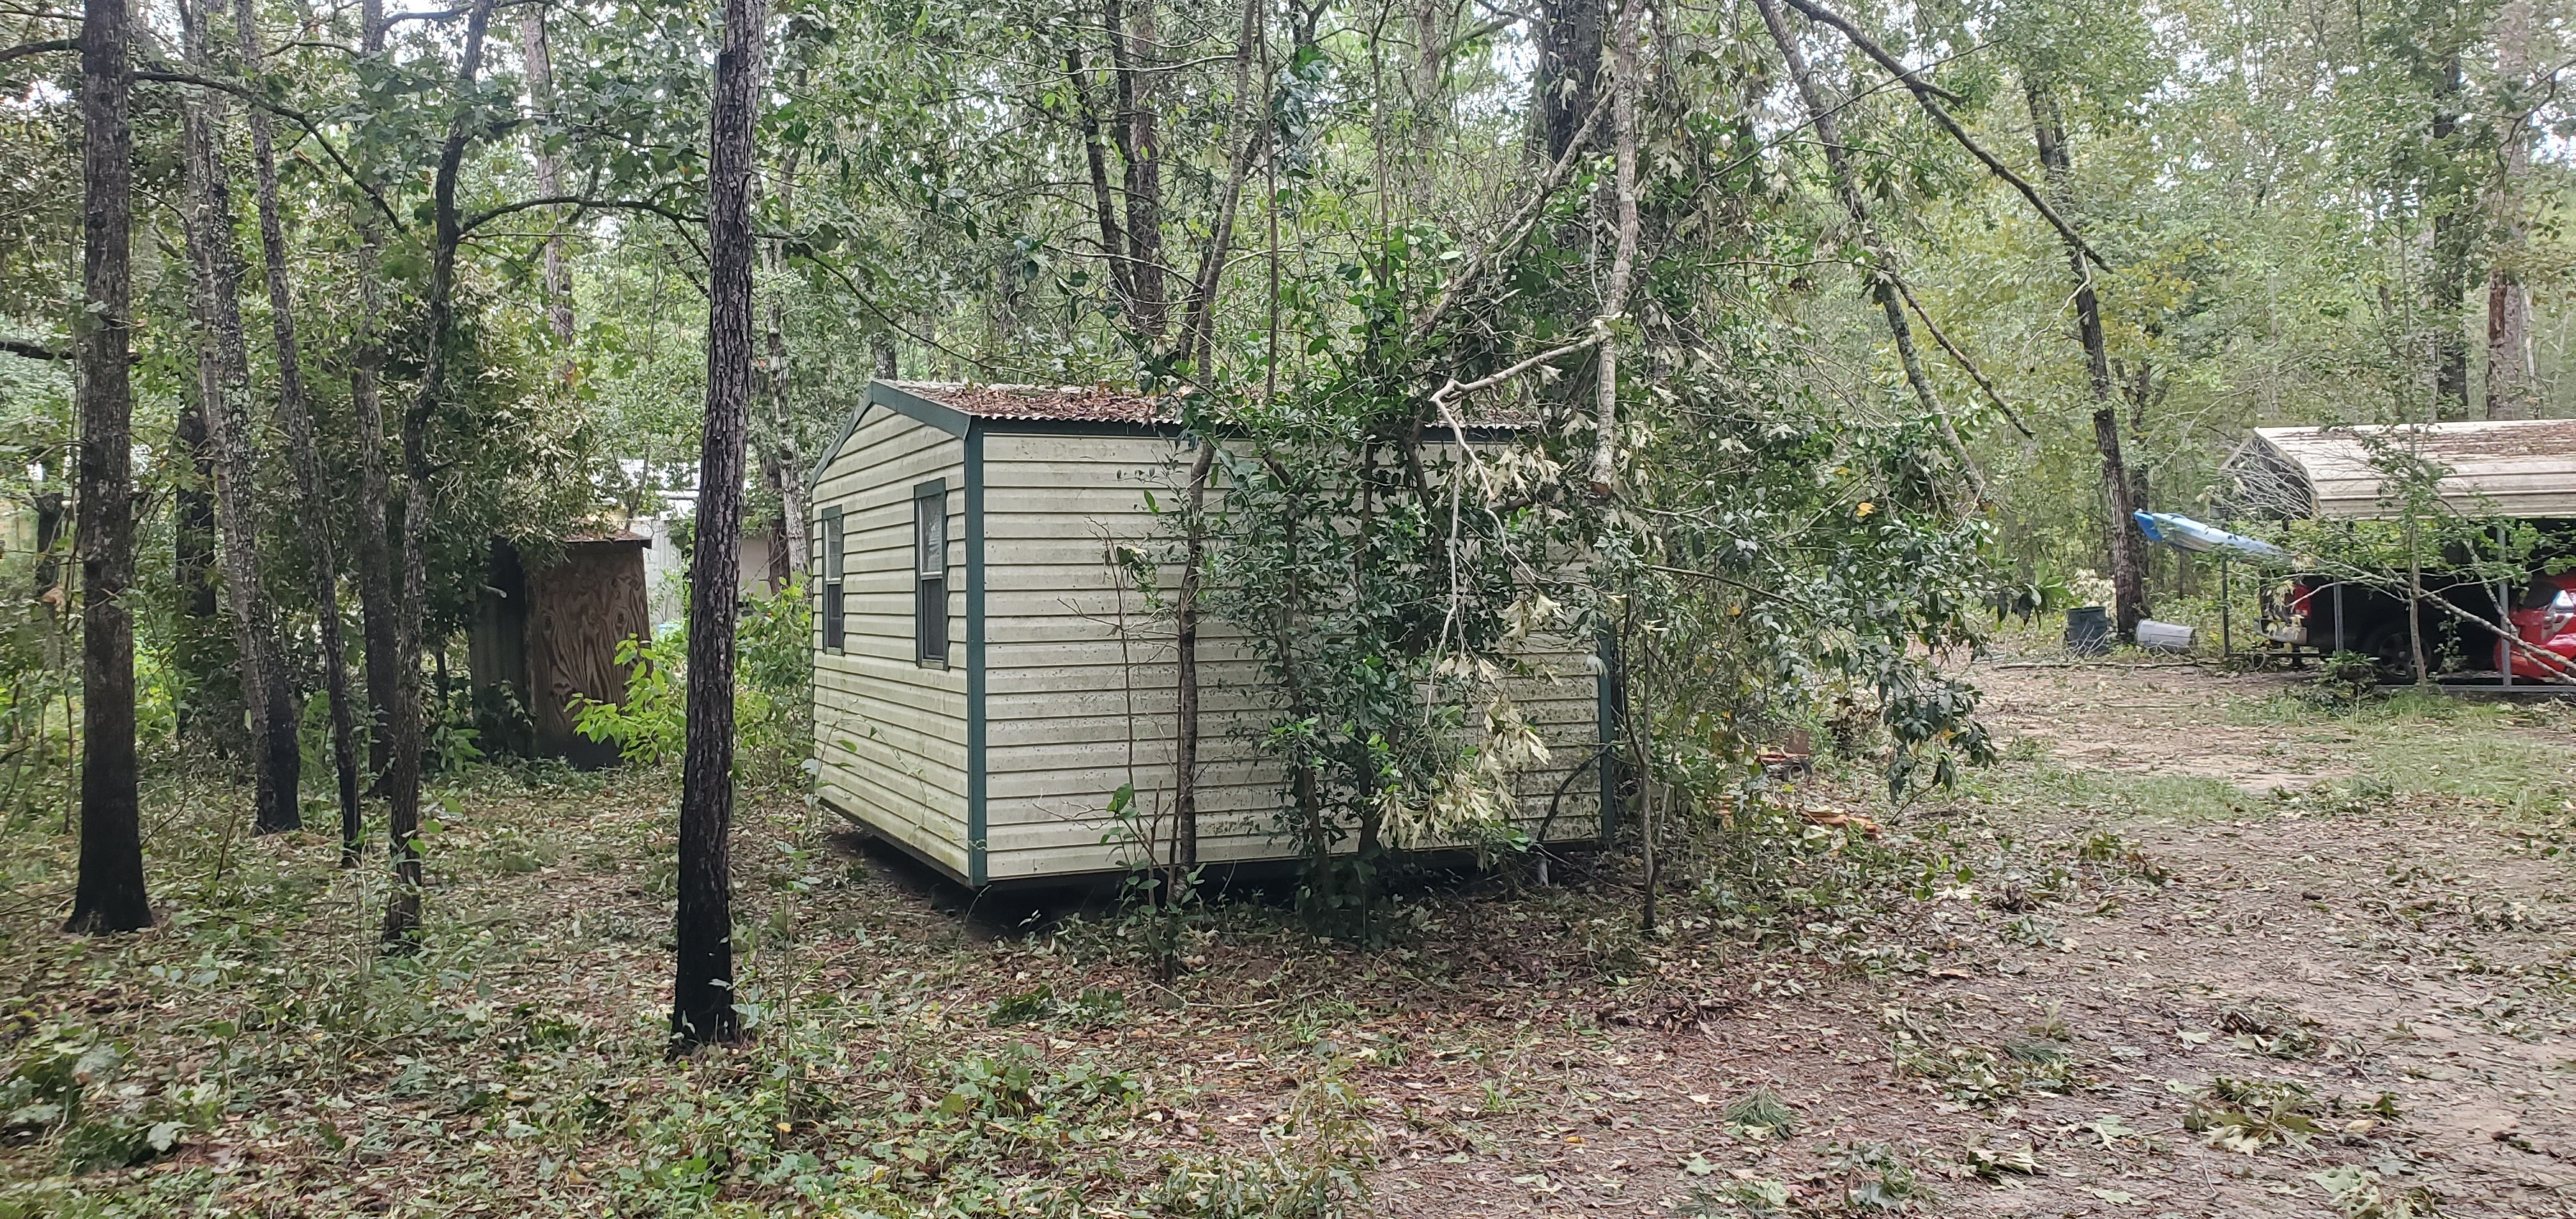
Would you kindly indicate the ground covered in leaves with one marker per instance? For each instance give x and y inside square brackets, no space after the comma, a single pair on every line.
[2199,946]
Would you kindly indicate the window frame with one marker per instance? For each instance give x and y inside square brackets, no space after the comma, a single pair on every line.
[835,616]
[929,567]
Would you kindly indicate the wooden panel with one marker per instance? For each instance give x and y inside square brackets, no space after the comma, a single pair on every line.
[580,609]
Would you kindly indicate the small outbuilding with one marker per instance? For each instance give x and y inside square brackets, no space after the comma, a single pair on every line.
[986,678]
[2518,468]
[546,632]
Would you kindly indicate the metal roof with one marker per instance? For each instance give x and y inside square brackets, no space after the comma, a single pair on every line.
[1067,403]
[2522,468]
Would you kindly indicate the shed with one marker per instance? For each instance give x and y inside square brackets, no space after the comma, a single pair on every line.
[2523,468]
[548,632]
[983,682]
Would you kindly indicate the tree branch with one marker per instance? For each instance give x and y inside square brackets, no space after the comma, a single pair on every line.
[162,72]
[1473,268]
[24,49]
[478,219]
[1926,93]
[26,350]
[1975,373]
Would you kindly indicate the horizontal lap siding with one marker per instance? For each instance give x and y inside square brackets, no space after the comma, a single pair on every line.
[1064,705]
[890,734]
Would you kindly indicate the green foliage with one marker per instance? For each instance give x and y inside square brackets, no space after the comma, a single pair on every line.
[773,693]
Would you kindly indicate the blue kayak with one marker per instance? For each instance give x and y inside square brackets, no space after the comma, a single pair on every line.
[2184,533]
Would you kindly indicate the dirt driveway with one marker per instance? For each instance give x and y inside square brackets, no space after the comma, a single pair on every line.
[2228,955]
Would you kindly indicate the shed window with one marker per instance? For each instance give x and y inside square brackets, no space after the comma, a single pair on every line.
[930,572]
[835,619]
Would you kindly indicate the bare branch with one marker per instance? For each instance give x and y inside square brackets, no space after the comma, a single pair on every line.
[1974,372]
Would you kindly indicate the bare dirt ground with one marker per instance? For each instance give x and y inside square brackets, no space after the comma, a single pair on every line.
[2194,948]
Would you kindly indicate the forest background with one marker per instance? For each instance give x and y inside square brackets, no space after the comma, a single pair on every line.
[1833,325]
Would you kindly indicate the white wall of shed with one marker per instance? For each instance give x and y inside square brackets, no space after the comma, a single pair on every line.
[1072,714]
[890,732]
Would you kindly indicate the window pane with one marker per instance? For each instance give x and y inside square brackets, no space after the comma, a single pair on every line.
[930,535]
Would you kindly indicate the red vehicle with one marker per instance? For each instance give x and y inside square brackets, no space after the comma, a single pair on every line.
[2543,614]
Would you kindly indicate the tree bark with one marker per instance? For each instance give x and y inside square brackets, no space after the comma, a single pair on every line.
[192,567]
[539,67]
[1133,40]
[1185,750]
[366,398]
[1569,71]
[223,369]
[1623,258]
[109,895]
[294,418]
[2509,365]
[702,997]
[402,776]
[2128,578]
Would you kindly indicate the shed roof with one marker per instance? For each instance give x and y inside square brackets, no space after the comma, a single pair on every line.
[1066,403]
[2524,468]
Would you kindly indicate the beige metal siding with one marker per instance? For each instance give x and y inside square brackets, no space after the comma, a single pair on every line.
[1072,715]
[890,733]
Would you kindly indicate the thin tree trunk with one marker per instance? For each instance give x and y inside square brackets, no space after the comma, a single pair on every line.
[2455,232]
[109,896]
[294,417]
[2509,367]
[366,398]
[782,460]
[1821,112]
[1185,753]
[1623,258]
[702,997]
[192,554]
[2128,579]
[402,780]
[223,361]
[540,70]
[1198,336]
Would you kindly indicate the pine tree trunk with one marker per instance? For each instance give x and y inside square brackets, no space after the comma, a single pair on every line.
[1570,36]
[2128,570]
[1134,47]
[294,418]
[402,774]
[223,361]
[109,895]
[702,996]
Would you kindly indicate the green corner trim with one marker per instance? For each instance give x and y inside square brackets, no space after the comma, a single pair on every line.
[975,829]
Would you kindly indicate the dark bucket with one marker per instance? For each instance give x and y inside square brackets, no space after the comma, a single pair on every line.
[2088,630]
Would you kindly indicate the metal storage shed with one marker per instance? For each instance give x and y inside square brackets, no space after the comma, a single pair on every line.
[2524,468]
[984,681]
